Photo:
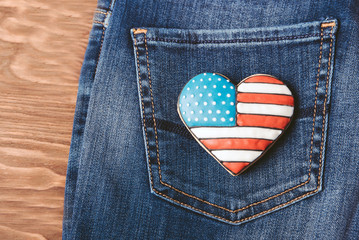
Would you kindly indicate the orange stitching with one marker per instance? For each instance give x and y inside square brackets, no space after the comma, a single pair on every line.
[241,220]
[102,38]
[98,11]
[274,196]
[143,109]
[103,34]
[98,22]
[152,104]
[325,99]
[315,101]
[138,31]
[328,24]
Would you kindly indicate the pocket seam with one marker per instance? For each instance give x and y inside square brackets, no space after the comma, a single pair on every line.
[323,25]
[234,40]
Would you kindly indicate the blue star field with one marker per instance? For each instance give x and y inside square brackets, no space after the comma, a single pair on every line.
[208,99]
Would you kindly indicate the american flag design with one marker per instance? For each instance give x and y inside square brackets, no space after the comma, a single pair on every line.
[235,124]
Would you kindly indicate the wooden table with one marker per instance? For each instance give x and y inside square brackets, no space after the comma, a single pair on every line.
[42,44]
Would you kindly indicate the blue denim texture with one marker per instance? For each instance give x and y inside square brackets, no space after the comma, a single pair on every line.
[134,170]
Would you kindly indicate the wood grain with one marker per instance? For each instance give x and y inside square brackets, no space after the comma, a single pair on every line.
[42,44]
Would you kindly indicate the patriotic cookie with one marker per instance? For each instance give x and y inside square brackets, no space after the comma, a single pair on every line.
[235,124]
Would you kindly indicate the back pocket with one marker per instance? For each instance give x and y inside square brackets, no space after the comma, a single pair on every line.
[180,170]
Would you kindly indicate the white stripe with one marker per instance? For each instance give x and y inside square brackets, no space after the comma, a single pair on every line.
[236,155]
[265,109]
[264,88]
[236,132]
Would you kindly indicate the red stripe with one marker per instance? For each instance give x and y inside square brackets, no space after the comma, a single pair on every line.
[235,167]
[265,98]
[263,79]
[262,121]
[236,143]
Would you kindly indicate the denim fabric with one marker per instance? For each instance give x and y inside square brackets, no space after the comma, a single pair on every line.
[135,172]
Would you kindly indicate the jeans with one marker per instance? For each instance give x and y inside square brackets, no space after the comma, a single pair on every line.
[136,172]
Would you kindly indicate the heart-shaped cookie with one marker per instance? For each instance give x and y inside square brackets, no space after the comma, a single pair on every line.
[235,124]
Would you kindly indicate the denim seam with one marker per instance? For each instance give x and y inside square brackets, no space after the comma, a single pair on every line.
[143,111]
[315,104]
[325,100]
[153,112]
[98,58]
[237,40]
[103,31]
[269,198]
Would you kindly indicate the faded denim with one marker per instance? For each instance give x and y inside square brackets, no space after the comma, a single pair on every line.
[134,170]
